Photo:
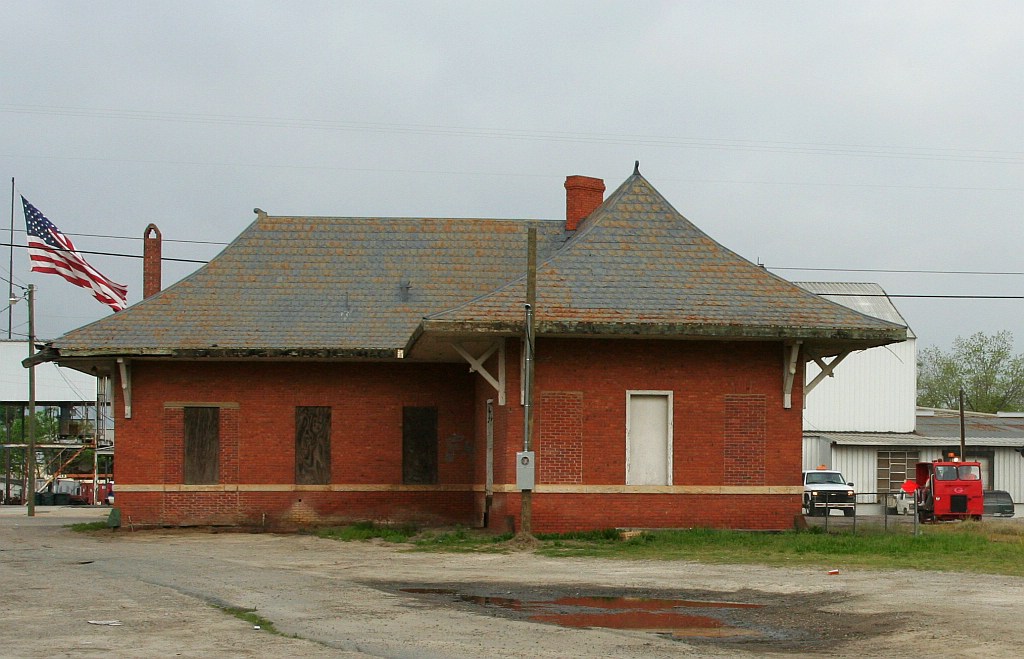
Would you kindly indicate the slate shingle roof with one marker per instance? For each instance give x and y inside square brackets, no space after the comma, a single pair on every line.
[636,261]
[308,286]
[320,285]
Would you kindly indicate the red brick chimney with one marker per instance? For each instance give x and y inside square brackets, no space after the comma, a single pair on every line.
[151,253]
[583,194]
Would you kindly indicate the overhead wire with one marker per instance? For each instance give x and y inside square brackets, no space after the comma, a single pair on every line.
[1012,273]
[891,295]
[848,150]
[119,254]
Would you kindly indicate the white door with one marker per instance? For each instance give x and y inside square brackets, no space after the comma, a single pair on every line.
[648,438]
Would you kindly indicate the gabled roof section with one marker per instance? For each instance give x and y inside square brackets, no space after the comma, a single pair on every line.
[638,267]
[319,287]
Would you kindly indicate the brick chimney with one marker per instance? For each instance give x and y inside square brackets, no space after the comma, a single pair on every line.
[151,254]
[583,194]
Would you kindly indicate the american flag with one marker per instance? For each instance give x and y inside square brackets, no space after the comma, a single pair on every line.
[53,252]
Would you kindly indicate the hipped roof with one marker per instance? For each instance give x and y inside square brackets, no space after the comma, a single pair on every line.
[380,287]
[637,267]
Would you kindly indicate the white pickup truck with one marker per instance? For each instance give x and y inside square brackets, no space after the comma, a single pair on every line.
[826,490]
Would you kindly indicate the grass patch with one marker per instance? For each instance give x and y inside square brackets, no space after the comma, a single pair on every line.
[989,547]
[462,539]
[85,527]
[964,547]
[369,531]
[250,616]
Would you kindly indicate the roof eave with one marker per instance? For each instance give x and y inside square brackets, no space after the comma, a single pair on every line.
[874,336]
[54,354]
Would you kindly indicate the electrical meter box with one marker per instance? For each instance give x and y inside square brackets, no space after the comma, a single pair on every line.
[525,470]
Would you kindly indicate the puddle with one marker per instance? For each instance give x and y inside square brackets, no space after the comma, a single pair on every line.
[661,616]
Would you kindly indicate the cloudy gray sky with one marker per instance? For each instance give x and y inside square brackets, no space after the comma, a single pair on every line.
[853,135]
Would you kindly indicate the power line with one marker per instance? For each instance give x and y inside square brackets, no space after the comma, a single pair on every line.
[444,172]
[941,296]
[127,256]
[877,270]
[808,148]
[1011,273]
[166,240]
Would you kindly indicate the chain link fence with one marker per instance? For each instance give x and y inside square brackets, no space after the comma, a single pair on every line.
[890,512]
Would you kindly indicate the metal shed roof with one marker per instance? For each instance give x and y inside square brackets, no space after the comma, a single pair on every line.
[867,298]
[913,439]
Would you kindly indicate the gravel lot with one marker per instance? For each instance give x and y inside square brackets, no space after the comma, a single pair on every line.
[336,599]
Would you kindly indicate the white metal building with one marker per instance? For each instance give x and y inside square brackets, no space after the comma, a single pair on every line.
[53,383]
[865,422]
[881,461]
[872,390]
[55,387]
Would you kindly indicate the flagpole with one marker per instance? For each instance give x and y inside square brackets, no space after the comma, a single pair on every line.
[10,270]
[31,461]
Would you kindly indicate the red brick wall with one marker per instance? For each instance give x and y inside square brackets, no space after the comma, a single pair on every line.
[556,513]
[729,428]
[560,445]
[744,439]
[702,376]
[257,438]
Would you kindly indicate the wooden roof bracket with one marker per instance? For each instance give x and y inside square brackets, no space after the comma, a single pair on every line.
[790,355]
[476,365]
[826,370]
[126,385]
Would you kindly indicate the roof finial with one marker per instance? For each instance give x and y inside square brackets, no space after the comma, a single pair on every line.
[636,168]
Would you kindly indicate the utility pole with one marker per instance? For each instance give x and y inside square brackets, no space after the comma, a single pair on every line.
[526,510]
[963,430]
[30,462]
[10,270]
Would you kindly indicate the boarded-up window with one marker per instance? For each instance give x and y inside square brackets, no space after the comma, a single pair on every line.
[202,445]
[419,445]
[648,438]
[312,445]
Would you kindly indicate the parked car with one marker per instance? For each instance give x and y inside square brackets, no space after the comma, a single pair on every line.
[998,503]
[901,503]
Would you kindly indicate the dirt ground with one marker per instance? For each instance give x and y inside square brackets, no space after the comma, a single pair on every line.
[334,599]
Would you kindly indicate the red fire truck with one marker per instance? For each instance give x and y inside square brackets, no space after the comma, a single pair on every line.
[949,490]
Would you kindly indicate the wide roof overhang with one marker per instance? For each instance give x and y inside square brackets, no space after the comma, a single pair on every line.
[434,337]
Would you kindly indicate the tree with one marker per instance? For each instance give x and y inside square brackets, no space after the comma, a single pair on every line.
[992,377]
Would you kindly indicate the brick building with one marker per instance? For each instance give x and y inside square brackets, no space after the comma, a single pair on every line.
[329,369]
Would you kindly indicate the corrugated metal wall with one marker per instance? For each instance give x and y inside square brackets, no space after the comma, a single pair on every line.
[1008,473]
[873,391]
[817,452]
[860,466]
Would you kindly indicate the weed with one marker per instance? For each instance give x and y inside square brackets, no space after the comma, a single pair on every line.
[84,527]
[368,531]
[461,539]
[250,616]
